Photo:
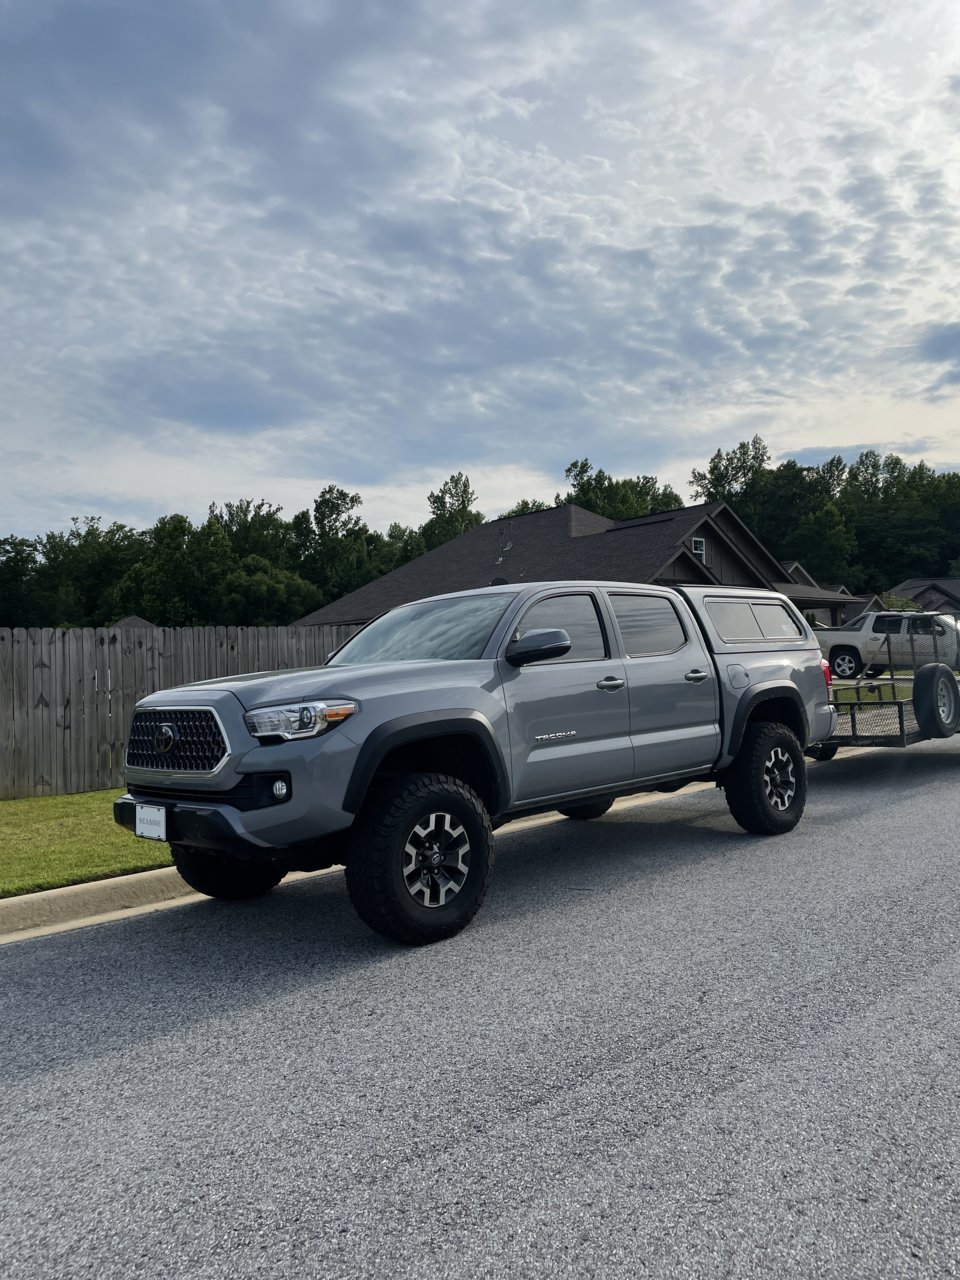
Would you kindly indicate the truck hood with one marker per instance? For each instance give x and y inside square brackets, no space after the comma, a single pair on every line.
[308,684]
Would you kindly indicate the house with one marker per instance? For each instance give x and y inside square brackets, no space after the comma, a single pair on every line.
[942,595]
[132,622]
[707,543]
[854,606]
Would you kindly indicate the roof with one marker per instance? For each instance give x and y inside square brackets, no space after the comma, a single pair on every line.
[813,597]
[799,574]
[949,588]
[568,542]
[563,542]
[133,620]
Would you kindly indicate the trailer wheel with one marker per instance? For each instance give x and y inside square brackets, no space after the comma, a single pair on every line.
[936,700]
[766,786]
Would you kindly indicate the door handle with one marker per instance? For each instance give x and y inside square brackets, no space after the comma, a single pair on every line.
[696,677]
[610,684]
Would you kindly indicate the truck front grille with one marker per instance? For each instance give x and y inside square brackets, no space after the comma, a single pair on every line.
[176,740]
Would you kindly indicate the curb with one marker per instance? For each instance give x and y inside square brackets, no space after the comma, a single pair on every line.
[52,907]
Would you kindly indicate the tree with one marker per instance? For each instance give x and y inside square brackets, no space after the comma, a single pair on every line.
[255,529]
[617,499]
[823,544]
[729,475]
[179,581]
[524,507]
[257,593]
[451,511]
[19,602]
[900,603]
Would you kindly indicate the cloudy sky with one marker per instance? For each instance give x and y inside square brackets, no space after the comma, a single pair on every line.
[254,248]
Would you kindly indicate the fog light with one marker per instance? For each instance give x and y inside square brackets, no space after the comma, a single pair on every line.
[280,789]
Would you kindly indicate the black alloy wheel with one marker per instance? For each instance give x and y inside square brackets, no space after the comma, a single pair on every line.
[419,858]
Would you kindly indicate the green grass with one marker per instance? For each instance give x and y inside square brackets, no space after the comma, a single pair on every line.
[872,691]
[51,841]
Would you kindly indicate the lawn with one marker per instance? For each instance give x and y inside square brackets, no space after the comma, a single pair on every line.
[56,840]
[873,691]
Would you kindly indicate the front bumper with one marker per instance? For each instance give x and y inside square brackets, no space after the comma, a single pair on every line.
[203,826]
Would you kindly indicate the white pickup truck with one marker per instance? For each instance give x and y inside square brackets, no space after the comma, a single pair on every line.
[873,642]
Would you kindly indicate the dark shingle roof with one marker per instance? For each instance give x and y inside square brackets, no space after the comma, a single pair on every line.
[562,542]
[948,587]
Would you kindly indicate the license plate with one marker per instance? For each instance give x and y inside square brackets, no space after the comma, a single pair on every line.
[151,821]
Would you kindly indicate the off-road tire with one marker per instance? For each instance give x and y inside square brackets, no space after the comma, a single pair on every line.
[391,832]
[219,876]
[822,751]
[768,751]
[588,810]
[849,661]
[936,700]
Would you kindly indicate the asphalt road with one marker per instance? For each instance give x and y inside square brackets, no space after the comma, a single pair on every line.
[664,1048]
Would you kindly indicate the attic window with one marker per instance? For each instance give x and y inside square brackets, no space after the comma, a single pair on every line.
[699,548]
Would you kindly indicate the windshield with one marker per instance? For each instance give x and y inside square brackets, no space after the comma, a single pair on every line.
[443,630]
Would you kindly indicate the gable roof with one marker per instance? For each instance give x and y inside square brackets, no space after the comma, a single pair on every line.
[949,588]
[798,573]
[133,620]
[563,542]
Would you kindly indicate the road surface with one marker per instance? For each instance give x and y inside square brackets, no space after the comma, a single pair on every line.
[664,1048]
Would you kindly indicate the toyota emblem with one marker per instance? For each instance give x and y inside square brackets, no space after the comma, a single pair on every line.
[165,738]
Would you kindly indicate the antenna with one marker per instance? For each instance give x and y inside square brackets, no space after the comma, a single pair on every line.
[504,545]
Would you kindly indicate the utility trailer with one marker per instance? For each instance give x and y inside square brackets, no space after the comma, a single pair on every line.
[871,714]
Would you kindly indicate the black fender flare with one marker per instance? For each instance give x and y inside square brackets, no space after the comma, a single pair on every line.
[421,727]
[758,695]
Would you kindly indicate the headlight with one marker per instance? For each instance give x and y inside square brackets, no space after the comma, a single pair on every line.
[297,719]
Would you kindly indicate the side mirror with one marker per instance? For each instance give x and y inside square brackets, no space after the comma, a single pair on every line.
[537,646]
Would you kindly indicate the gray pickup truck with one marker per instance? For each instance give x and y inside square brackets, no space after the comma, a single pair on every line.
[447,717]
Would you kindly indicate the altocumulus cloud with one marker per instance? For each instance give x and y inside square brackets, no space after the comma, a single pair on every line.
[252,249]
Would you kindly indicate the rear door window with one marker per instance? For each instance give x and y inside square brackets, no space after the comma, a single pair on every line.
[887,626]
[649,625]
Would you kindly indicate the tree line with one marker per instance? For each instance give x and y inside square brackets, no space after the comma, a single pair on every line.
[868,525]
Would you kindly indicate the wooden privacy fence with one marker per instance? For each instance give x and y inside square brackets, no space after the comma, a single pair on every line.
[67,697]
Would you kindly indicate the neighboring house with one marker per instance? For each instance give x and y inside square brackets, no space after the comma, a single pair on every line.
[870,603]
[702,544]
[940,595]
[132,622]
